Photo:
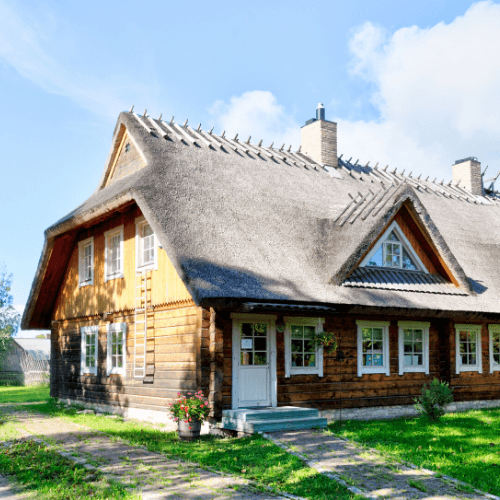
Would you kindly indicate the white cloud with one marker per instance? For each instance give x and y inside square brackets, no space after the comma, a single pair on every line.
[22,40]
[436,91]
[257,113]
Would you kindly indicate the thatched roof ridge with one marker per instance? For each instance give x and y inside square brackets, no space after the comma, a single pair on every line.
[243,221]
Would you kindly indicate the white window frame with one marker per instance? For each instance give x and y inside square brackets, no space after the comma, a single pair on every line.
[478,367]
[140,222]
[414,325]
[108,235]
[494,367]
[317,323]
[85,330]
[403,240]
[386,367]
[81,262]
[112,328]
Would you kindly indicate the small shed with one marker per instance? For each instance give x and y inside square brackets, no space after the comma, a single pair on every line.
[29,362]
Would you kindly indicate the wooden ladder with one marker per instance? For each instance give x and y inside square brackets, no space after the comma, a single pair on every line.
[142,369]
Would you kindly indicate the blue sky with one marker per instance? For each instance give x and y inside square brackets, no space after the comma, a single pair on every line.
[411,84]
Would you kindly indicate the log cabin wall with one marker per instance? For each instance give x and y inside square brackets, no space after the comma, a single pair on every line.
[175,333]
[174,328]
[340,384]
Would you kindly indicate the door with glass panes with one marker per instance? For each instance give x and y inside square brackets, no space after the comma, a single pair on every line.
[252,358]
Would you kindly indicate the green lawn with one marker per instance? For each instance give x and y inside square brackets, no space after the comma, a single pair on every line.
[28,394]
[253,458]
[465,446]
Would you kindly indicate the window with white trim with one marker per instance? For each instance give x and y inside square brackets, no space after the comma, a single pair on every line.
[494,331]
[468,348]
[117,348]
[395,251]
[89,343]
[113,241]
[86,262]
[146,252]
[301,356]
[373,347]
[413,346]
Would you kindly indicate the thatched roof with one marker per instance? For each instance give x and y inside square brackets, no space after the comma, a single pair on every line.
[240,221]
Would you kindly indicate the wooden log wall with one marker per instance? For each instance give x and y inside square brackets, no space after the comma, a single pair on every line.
[176,335]
[117,294]
[340,384]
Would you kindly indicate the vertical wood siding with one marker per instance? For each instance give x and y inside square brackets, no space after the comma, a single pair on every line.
[126,162]
[117,294]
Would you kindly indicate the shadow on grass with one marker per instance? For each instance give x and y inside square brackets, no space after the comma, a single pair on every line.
[252,458]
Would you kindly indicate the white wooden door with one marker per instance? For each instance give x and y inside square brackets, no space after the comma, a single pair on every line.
[254,365]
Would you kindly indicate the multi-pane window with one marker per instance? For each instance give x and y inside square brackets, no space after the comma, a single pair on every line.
[114,253]
[116,359]
[468,348]
[89,336]
[301,354]
[303,349]
[494,331]
[254,344]
[145,244]
[86,262]
[395,251]
[373,347]
[413,346]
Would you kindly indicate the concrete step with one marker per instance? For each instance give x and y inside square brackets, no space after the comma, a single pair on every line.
[273,425]
[281,413]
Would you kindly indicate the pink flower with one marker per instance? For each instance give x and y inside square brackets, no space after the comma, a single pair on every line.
[178,394]
[190,419]
[190,427]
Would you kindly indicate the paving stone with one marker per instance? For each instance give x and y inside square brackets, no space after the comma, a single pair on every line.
[368,469]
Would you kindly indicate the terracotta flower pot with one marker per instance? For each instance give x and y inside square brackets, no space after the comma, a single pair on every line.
[189,431]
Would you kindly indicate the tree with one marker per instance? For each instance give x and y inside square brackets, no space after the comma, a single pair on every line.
[9,318]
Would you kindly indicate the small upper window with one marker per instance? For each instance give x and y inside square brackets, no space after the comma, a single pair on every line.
[395,251]
[86,262]
[114,253]
[146,251]
[468,348]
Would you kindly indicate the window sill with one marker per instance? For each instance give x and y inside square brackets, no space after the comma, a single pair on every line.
[380,370]
[113,277]
[116,372]
[468,369]
[304,371]
[85,283]
[415,370]
[88,372]
[147,267]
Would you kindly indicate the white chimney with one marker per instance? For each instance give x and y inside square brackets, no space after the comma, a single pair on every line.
[319,139]
[468,172]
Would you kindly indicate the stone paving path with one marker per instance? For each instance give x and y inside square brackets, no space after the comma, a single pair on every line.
[369,471]
[153,475]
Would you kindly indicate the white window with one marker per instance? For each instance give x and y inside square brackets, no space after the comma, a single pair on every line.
[117,348]
[88,362]
[468,348]
[395,251]
[145,245]
[301,356]
[86,262]
[113,253]
[494,347]
[373,347]
[413,346]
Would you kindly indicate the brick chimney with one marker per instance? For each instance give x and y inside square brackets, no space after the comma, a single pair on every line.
[319,139]
[468,173]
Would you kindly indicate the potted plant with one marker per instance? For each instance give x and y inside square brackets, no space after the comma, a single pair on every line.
[326,340]
[189,412]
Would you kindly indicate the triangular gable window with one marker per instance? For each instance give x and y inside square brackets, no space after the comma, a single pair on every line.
[393,250]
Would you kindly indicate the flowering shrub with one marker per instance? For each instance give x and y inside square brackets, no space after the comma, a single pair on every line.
[190,408]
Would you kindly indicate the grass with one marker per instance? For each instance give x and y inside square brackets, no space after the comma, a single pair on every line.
[9,394]
[465,445]
[253,458]
[50,476]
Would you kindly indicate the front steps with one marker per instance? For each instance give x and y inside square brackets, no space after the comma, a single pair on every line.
[283,418]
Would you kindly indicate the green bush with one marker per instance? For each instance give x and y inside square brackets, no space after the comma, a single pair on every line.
[433,399]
